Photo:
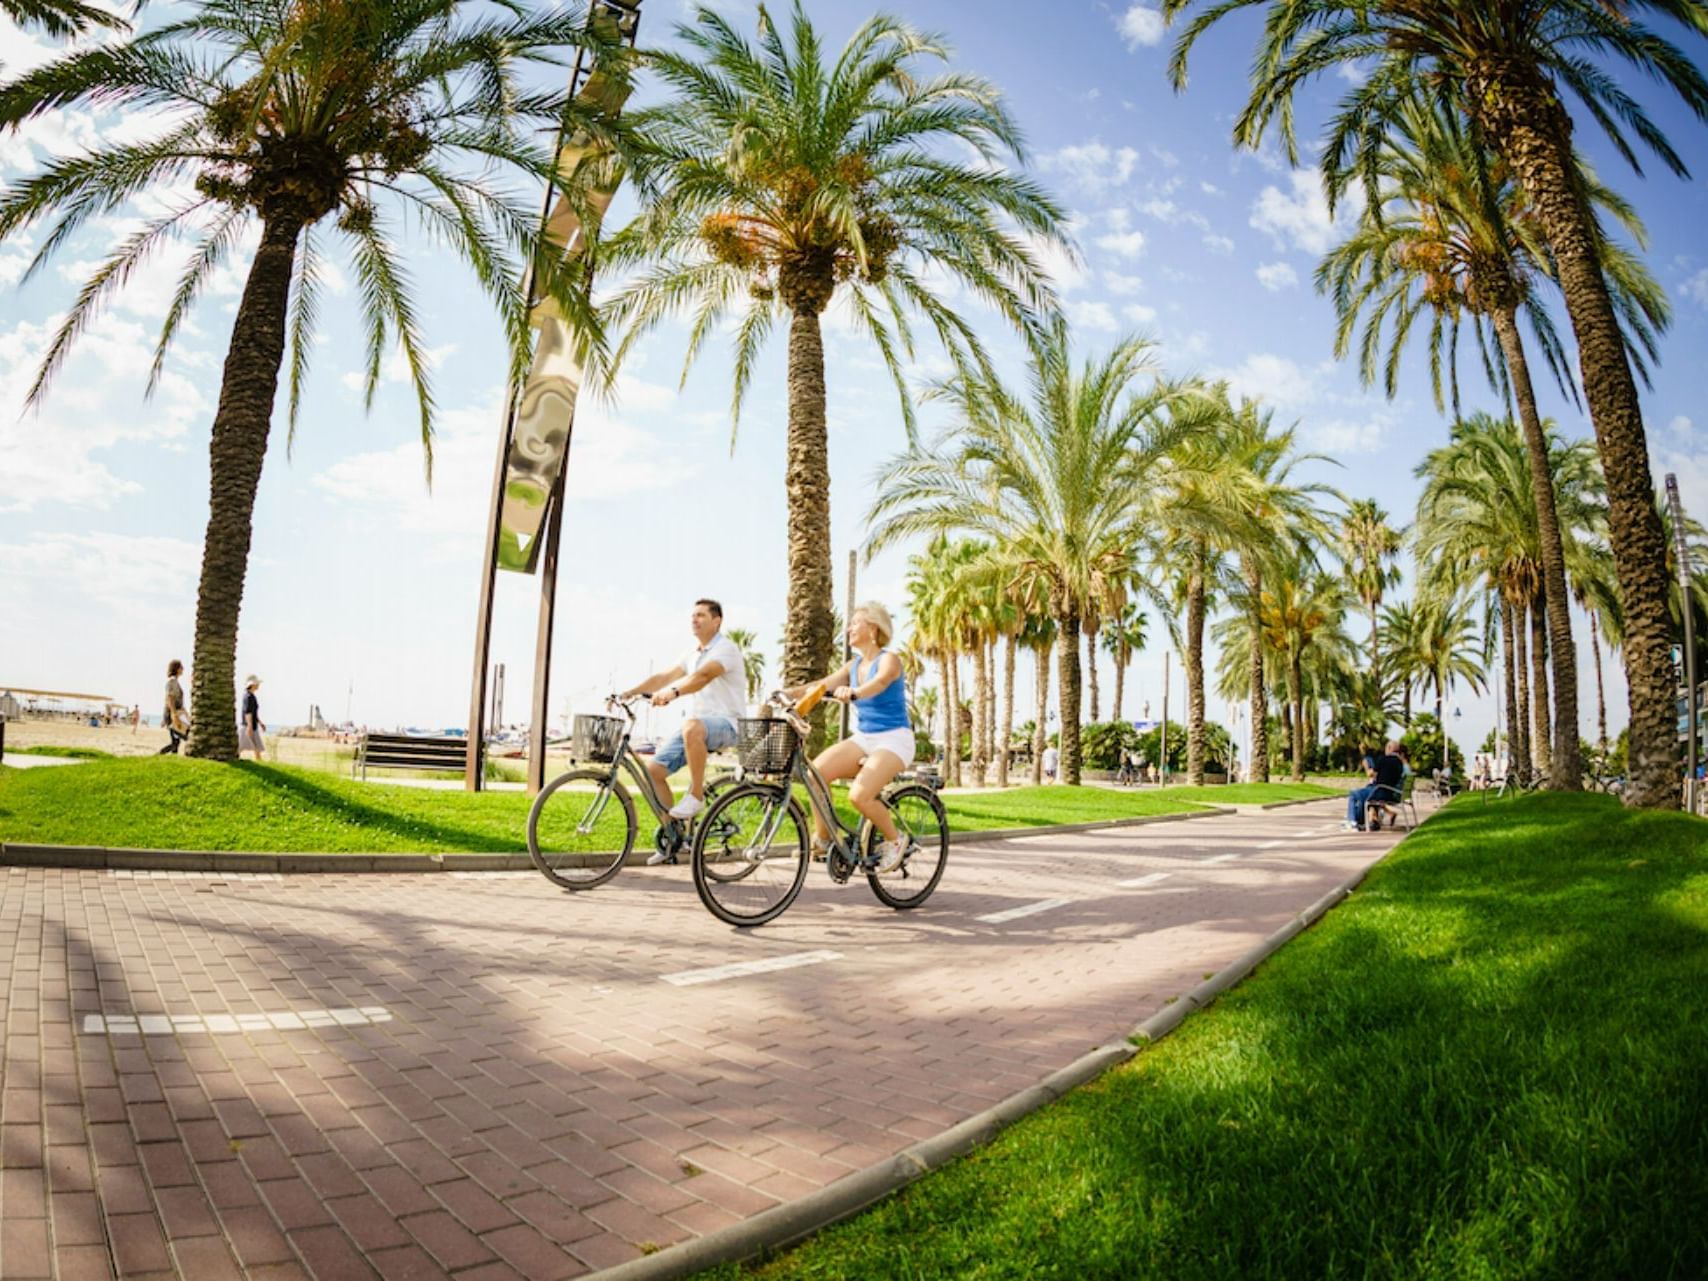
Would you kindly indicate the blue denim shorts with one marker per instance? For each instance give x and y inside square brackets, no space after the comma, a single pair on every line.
[720,733]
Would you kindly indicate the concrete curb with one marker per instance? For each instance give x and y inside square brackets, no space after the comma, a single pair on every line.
[99,857]
[785,1225]
[1303,800]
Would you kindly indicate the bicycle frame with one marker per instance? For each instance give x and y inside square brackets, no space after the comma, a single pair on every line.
[629,761]
[845,839]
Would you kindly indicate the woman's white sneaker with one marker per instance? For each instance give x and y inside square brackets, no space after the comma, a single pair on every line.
[687,807]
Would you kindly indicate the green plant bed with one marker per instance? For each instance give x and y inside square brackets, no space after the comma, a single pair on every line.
[1047,806]
[1250,793]
[1487,1063]
[70,753]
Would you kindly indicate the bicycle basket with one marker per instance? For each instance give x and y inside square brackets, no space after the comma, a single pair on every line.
[766,746]
[597,738]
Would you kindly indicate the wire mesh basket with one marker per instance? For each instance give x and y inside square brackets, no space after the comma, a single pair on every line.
[766,746]
[597,738]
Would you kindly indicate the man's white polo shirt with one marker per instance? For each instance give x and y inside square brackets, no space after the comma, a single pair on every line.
[726,694]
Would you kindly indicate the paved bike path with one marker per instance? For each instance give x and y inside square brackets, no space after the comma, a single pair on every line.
[481,1076]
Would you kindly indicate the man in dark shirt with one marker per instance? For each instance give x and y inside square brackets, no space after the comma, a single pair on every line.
[1385,773]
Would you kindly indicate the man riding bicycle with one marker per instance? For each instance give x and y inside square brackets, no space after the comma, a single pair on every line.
[711,674]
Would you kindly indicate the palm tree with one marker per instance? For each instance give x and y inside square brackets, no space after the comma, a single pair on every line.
[309,119]
[752,661]
[776,182]
[61,19]
[1449,644]
[1302,611]
[1122,638]
[1451,235]
[1401,627]
[1367,546]
[1516,60]
[1056,479]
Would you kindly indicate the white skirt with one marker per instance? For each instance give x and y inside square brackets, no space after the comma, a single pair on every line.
[249,740]
[899,742]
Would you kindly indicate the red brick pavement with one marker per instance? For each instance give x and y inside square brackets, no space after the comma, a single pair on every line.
[537,1103]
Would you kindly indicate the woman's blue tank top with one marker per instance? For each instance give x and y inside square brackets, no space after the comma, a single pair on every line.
[884,710]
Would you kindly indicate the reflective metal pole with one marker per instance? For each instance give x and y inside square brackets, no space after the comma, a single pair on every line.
[1676,509]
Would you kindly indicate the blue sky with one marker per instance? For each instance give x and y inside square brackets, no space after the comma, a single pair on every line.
[362,582]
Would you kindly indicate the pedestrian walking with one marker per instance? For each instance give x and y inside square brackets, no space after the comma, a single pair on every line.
[249,733]
[175,716]
[1052,760]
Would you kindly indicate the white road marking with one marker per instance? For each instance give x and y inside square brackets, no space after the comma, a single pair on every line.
[162,874]
[212,1024]
[739,969]
[486,876]
[1139,881]
[1222,858]
[1270,845]
[1031,909]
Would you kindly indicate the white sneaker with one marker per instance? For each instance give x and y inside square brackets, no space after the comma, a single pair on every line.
[1350,827]
[687,807]
[659,858]
[889,856]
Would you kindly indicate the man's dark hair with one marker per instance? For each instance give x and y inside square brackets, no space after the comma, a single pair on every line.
[717,610]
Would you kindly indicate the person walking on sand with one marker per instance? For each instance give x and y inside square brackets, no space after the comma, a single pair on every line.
[883,743]
[175,717]
[252,728]
[711,676]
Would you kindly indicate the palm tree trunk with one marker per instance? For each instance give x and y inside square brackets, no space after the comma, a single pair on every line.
[1010,646]
[1600,691]
[235,455]
[1259,766]
[1567,774]
[807,640]
[1375,650]
[950,752]
[952,692]
[1522,700]
[1516,753]
[1068,626]
[1296,694]
[1121,657]
[1195,604]
[1091,669]
[1541,735]
[1040,732]
[1530,128]
[981,694]
[990,747]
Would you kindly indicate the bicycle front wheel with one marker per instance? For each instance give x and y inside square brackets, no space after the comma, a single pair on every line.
[750,854]
[919,819]
[581,829]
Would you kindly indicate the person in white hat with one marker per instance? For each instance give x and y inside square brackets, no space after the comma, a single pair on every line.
[249,732]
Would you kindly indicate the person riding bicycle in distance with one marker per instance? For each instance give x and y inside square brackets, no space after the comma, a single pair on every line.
[883,743]
[712,677]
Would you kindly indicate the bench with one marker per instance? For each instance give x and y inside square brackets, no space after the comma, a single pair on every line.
[1392,808]
[410,751]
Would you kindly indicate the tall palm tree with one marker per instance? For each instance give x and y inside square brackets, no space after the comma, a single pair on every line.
[1517,61]
[1038,635]
[1401,628]
[1123,637]
[1368,545]
[1057,479]
[1302,611]
[1451,235]
[61,19]
[1449,643]
[308,120]
[936,632]
[778,181]
[752,661]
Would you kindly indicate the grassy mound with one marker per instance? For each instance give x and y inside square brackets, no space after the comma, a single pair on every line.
[1486,1064]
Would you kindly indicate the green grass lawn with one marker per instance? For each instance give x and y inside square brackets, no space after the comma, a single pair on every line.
[172,802]
[71,753]
[1486,1064]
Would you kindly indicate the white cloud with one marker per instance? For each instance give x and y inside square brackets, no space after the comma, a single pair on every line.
[1122,285]
[1218,244]
[394,369]
[1209,189]
[113,571]
[51,454]
[1141,24]
[1092,315]
[1680,426]
[1138,313]
[1697,287]
[1276,379]
[1058,261]
[1338,436]
[1277,276]
[1128,244]
[1091,166]
[1300,218]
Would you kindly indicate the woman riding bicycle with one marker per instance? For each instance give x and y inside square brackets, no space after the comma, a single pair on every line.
[883,742]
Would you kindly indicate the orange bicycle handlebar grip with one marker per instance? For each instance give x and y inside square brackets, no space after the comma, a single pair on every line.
[811,699]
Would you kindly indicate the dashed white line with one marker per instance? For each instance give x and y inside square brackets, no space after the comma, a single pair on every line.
[1222,858]
[1270,845]
[486,876]
[739,969]
[213,1024]
[1031,909]
[1139,881]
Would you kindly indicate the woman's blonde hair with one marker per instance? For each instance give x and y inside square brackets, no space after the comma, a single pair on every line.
[879,618]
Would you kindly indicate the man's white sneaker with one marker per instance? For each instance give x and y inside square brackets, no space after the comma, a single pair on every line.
[687,807]
[659,858]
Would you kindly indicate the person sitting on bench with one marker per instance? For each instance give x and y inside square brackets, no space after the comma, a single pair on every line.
[1386,773]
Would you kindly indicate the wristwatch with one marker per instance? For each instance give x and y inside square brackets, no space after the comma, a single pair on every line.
[674,692]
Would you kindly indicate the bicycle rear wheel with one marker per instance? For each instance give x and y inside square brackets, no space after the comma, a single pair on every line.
[581,829]
[750,854]
[920,819]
